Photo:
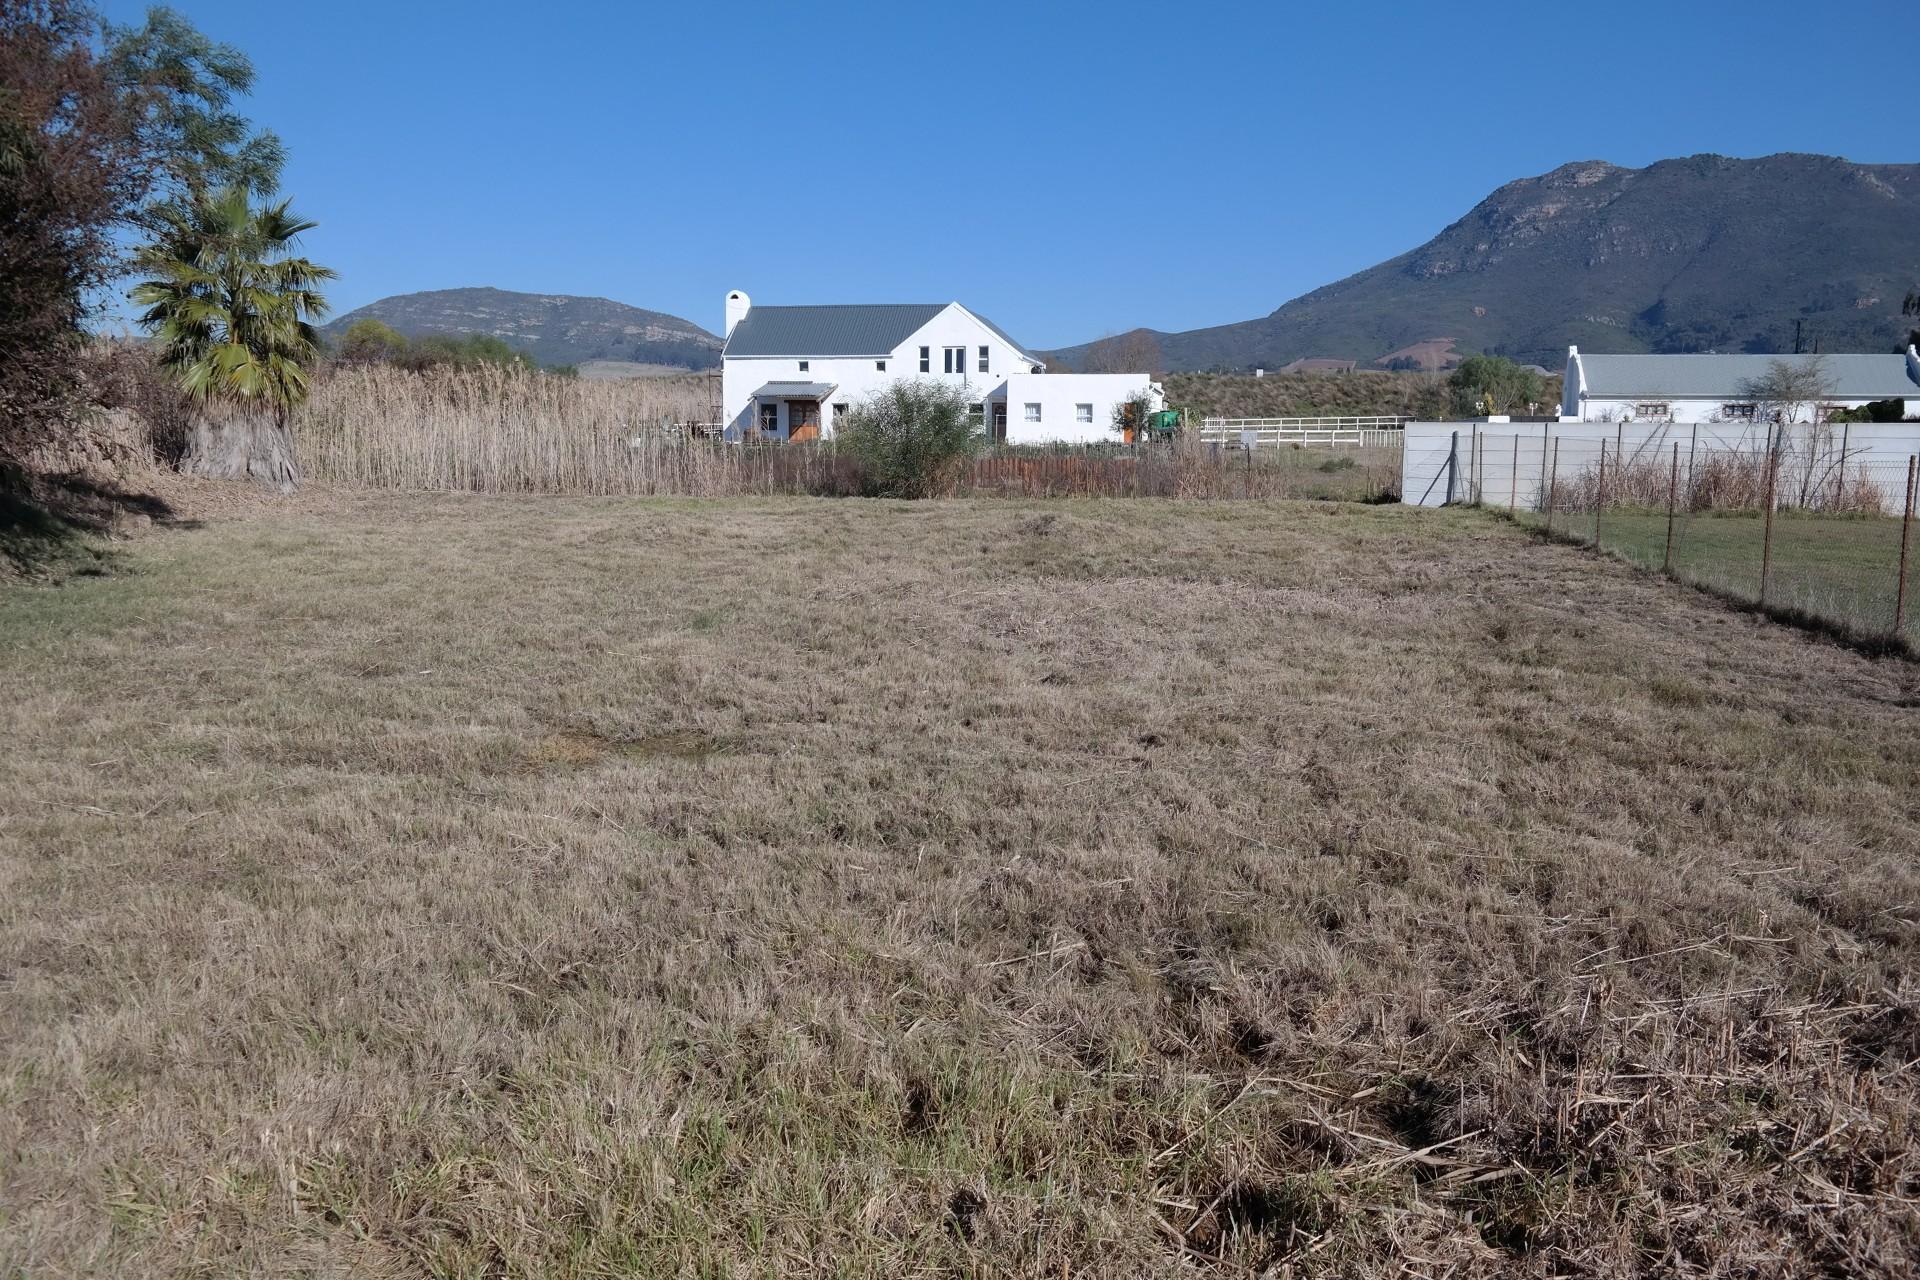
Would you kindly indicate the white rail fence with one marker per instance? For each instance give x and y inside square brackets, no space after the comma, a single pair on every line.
[1359,433]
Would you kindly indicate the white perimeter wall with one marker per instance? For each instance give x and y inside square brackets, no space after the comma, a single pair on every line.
[1513,457]
[1058,395]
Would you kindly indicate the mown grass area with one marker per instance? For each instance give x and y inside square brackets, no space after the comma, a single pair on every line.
[1843,568]
[584,887]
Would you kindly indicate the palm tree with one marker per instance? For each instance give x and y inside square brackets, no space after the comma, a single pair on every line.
[231,310]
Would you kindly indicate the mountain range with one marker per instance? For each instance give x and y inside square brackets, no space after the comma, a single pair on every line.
[553,328]
[1706,253]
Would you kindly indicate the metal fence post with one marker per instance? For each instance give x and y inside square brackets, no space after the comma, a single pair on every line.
[1473,467]
[1513,481]
[1673,483]
[1840,481]
[1766,536]
[1540,497]
[1600,494]
[1906,540]
[1693,452]
[1453,464]
[1553,482]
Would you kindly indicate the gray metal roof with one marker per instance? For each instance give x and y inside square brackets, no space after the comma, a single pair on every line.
[849,330]
[795,391]
[1852,377]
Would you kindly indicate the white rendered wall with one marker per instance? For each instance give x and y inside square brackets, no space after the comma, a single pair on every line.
[1058,395]
[1688,411]
[856,378]
[1513,457]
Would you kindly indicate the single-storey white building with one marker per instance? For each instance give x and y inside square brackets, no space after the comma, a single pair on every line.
[790,373]
[1716,388]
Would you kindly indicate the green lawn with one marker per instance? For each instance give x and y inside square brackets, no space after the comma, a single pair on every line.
[1843,568]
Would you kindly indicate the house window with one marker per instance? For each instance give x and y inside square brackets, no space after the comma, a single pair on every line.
[1083,413]
[880,366]
[983,359]
[1652,409]
[839,412]
[926,359]
[1032,413]
[977,414]
[769,419]
[803,366]
[1739,412]
[956,359]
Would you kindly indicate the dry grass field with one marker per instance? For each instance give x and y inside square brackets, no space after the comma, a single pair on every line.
[476,887]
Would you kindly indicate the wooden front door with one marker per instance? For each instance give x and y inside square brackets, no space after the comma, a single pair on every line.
[803,419]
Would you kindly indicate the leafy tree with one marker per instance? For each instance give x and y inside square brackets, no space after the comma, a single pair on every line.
[370,341]
[464,349]
[68,171]
[231,309]
[97,128]
[1131,414]
[1485,386]
[910,439]
[179,87]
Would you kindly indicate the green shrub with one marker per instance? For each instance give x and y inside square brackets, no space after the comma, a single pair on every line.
[910,440]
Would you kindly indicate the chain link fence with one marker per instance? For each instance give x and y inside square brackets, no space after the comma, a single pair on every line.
[1798,521]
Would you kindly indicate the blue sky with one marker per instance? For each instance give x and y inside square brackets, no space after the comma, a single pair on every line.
[1069,169]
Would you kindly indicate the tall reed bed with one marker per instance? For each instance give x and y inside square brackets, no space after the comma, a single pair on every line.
[485,430]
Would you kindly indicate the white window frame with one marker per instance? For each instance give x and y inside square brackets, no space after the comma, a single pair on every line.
[1083,412]
[953,360]
[926,359]
[769,422]
[1739,412]
[984,359]
[1653,409]
[1030,411]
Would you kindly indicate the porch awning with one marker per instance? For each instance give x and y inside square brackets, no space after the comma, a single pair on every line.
[795,391]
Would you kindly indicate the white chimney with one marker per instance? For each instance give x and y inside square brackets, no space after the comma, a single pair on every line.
[738,304]
[1259,373]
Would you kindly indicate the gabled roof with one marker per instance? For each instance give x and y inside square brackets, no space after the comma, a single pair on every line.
[1851,377]
[849,329]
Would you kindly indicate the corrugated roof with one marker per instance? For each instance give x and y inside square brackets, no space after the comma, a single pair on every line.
[1852,377]
[848,330]
[795,391]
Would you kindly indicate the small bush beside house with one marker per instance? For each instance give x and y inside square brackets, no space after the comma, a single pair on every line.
[911,439]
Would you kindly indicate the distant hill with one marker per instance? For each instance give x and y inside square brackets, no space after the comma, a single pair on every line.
[1702,254]
[553,328]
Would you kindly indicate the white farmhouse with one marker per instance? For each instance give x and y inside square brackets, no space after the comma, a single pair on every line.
[1716,388]
[790,373]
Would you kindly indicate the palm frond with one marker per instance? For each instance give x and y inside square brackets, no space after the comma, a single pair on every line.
[227,305]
